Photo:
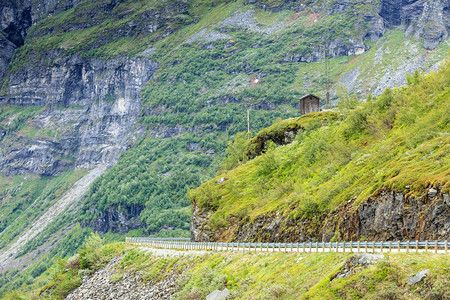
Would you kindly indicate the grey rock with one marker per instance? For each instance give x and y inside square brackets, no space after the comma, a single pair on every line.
[113,220]
[418,277]
[445,196]
[222,180]
[103,104]
[6,53]
[357,263]
[388,216]
[218,295]
[193,147]
[432,192]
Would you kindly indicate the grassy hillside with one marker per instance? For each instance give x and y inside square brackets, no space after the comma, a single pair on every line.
[252,275]
[398,141]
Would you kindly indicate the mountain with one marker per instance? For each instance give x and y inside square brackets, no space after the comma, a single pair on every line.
[111,110]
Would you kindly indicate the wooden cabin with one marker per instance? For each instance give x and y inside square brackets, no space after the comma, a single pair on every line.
[309,103]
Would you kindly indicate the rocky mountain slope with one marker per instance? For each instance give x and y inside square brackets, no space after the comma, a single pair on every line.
[154,90]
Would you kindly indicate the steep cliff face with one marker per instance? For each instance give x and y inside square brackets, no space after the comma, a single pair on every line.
[91,108]
[17,16]
[113,220]
[388,216]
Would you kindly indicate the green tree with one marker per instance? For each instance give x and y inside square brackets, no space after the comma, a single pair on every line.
[236,153]
[346,101]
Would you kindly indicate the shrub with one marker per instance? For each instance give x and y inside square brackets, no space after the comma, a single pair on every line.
[91,256]
[73,262]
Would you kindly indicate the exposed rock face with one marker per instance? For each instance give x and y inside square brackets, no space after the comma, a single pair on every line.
[104,103]
[357,263]
[420,18]
[15,19]
[7,50]
[394,216]
[73,80]
[17,16]
[389,216]
[103,285]
[427,19]
[118,222]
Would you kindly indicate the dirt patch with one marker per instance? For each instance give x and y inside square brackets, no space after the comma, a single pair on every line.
[313,18]
[295,17]
[353,60]
[254,81]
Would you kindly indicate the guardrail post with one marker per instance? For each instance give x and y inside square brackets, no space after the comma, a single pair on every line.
[435,246]
[343,248]
[329,244]
[337,246]
[351,246]
[407,246]
[366,246]
[304,247]
[292,246]
[317,247]
[373,246]
[390,246]
[310,248]
[426,246]
[381,248]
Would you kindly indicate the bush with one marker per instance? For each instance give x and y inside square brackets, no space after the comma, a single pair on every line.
[73,262]
[91,256]
[236,152]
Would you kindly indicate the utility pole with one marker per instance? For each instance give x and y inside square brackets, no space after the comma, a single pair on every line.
[248,120]
[326,52]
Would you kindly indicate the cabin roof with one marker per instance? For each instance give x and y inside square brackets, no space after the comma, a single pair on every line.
[308,96]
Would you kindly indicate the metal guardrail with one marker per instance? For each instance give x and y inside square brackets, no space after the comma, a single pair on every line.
[358,246]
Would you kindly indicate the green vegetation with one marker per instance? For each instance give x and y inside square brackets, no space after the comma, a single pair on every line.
[399,139]
[13,118]
[255,275]
[24,200]
[197,102]
[65,274]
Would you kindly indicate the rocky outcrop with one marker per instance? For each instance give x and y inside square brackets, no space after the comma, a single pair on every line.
[356,264]
[388,216]
[394,216]
[74,80]
[92,106]
[7,50]
[17,16]
[111,282]
[116,221]
[427,19]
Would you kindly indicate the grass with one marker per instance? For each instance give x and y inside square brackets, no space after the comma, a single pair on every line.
[273,275]
[400,139]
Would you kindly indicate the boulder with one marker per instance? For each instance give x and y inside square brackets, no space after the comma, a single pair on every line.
[418,277]
[218,295]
